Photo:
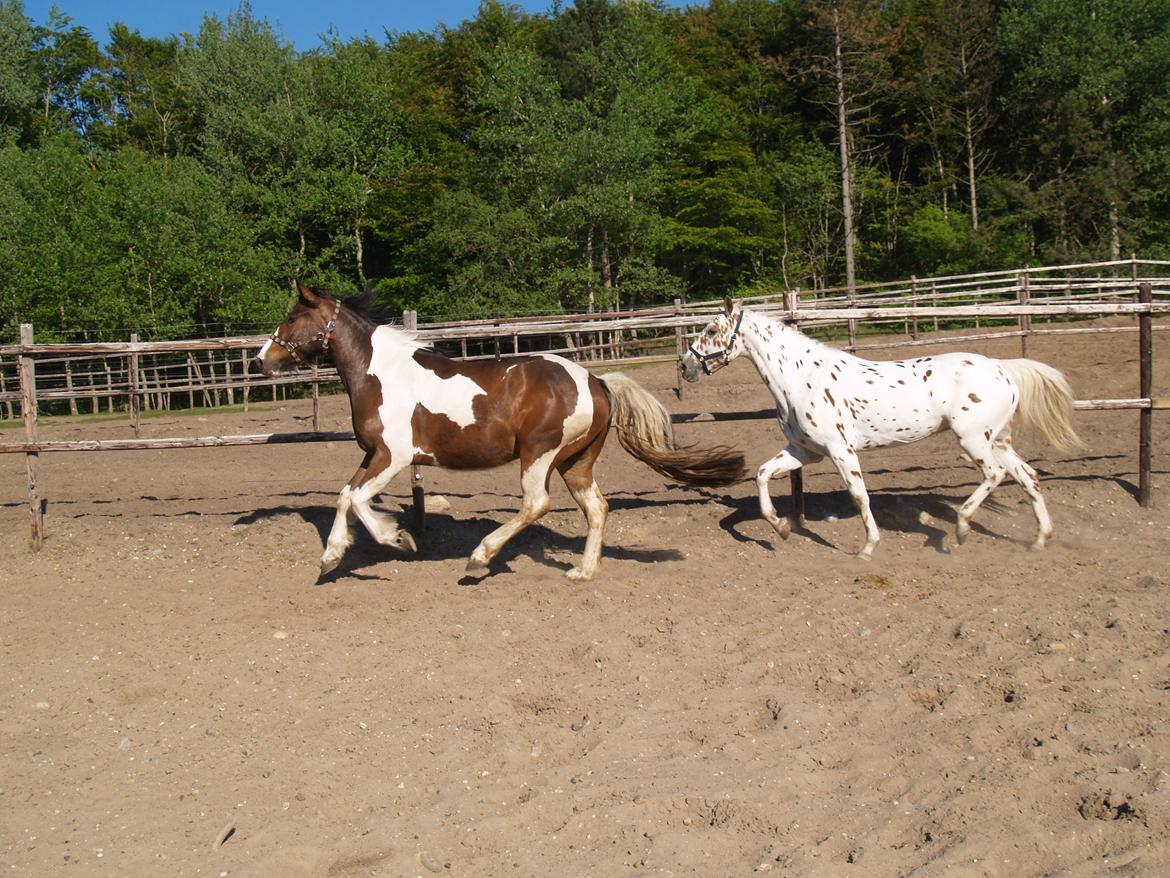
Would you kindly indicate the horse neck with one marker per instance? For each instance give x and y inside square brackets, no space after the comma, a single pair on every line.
[351,349]
[770,343]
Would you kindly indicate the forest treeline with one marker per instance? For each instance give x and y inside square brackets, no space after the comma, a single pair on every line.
[599,155]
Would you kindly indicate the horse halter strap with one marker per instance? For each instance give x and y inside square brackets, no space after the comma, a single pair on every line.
[721,353]
[324,336]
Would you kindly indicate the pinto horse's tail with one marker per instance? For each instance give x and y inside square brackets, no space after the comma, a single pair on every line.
[1046,401]
[644,429]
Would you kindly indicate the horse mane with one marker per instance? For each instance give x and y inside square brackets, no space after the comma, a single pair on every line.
[363,306]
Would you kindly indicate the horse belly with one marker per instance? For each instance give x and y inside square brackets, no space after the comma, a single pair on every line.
[909,418]
[453,447]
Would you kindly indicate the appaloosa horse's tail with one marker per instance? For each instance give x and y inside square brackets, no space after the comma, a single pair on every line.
[644,429]
[1046,401]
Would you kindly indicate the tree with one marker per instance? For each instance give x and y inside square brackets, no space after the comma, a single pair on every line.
[63,58]
[849,48]
[138,91]
[18,90]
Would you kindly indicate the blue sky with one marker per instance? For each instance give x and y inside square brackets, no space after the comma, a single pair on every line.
[298,22]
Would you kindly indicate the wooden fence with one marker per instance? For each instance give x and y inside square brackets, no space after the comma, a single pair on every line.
[1017,304]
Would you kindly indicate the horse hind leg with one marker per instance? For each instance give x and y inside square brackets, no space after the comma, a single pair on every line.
[983,453]
[578,476]
[1019,470]
[535,503]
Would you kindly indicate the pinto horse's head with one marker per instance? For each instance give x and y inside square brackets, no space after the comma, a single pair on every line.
[303,336]
[717,345]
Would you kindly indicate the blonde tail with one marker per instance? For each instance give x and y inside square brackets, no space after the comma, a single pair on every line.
[1046,401]
[645,430]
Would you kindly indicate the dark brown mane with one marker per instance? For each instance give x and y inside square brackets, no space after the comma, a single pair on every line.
[363,305]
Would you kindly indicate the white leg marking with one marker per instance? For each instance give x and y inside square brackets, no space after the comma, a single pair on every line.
[534,483]
[382,528]
[340,537]
[791,458]
[593,504]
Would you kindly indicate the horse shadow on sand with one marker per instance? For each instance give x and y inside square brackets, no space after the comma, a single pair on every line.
[930,510]
[447,538]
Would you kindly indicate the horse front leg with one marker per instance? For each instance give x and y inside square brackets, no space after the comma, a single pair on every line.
[340,537]
[791,458]
[382,527]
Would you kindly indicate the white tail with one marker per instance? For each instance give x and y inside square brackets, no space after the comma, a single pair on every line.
[1046,401]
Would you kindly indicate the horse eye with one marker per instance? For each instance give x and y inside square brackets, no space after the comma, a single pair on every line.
[291,320]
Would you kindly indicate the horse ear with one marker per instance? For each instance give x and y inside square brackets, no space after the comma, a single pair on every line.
[307,296]
[728,305]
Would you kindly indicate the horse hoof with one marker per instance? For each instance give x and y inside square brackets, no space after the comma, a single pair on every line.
[328,565]
[406,541]
[476,567]
[783,528]
[578,575]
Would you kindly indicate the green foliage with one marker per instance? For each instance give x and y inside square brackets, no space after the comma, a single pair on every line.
[601,155]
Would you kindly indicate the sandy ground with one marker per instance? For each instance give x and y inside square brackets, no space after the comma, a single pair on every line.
[716,703]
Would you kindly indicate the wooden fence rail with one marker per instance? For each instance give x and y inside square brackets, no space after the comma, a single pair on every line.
[149,374]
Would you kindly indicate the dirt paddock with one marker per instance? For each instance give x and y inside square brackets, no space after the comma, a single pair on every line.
[181,697]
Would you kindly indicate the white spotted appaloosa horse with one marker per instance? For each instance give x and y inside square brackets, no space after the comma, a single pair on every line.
[833,404]
[411,405]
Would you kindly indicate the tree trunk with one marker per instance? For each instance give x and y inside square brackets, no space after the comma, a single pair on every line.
[359,254]
[843,140]
[969,142]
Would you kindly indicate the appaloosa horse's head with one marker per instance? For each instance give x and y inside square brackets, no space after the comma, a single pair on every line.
[303,336]
[717,345]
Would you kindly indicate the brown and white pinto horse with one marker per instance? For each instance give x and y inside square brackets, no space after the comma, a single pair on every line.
[411,405]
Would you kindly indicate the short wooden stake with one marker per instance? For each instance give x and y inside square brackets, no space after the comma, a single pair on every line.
[796,481]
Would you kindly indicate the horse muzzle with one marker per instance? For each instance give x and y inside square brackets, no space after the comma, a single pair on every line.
[689,367]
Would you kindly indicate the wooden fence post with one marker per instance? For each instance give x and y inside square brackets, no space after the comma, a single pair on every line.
[69,386]
[417,488]
[28,411]
[135,402]
[852,296]
[246,371]
[1146,391]
[4,388]
[680,348]
[1025,321]
[796,476]
[315,378]
[914,300]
